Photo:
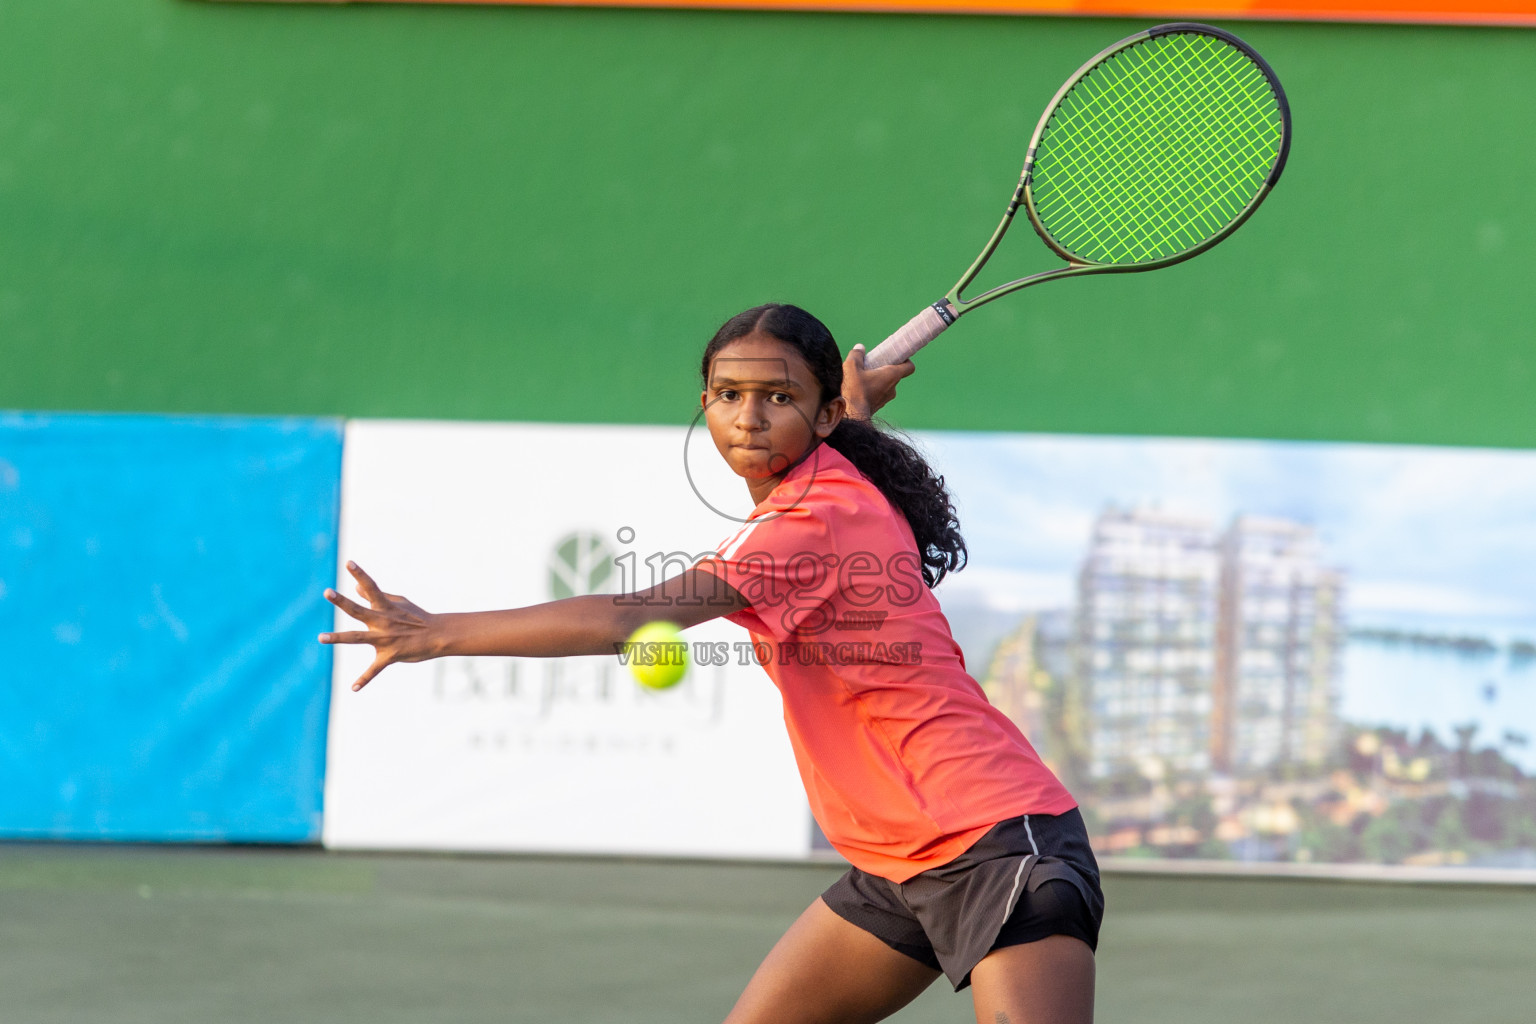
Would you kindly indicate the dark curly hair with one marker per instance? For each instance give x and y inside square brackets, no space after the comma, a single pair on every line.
[890,463]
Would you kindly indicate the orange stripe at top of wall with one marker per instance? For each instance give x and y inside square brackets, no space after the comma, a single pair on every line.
[1476,12]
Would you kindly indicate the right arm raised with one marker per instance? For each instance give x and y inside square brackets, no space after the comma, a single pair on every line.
[399,630]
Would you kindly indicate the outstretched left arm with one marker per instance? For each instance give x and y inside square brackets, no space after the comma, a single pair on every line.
[400,630]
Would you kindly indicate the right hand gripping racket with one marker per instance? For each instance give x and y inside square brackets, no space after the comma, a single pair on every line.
[1154,151]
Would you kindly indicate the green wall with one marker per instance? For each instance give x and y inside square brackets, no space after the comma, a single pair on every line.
[541,214]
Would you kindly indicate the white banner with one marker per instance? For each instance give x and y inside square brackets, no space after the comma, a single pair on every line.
[1239,651]
[565,755]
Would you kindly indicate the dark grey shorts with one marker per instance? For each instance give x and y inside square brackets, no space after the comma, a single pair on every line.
[995,894]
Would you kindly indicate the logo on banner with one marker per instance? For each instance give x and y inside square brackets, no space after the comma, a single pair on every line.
[580,564]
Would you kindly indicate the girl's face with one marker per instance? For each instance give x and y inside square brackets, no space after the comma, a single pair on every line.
[764,410]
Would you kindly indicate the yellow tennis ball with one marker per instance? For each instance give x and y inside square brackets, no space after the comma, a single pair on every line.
[658,655]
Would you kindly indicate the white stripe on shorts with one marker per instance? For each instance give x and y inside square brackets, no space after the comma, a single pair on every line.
[1018,876]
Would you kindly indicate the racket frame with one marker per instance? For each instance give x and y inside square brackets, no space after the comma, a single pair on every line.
[1024,193]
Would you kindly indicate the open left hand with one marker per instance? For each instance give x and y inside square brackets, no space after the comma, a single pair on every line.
[865,391]
[398,630]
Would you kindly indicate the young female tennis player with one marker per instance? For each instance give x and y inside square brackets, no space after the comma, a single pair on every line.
[969,857]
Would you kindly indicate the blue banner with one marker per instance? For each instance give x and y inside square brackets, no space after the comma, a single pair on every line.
[160,582]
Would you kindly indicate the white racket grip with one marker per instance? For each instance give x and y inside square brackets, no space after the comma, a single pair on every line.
[913,335]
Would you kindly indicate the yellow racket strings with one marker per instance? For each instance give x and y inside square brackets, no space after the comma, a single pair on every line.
[1156,150]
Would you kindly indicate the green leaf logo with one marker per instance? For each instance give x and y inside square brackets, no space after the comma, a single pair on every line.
[582,563]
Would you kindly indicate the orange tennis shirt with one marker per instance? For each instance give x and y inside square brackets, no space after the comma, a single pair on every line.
[904,760]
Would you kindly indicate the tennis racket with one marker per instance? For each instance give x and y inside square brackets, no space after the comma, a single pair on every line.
[1154,151]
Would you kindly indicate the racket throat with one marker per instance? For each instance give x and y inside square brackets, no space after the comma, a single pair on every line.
[962,306]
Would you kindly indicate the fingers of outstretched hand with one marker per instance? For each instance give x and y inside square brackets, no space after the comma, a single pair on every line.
[365,585]
[354,637]
[348,605]
[380,663]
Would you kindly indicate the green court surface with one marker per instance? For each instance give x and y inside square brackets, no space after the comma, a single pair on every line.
[140,934]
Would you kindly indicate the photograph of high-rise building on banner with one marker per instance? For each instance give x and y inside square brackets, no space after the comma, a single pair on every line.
[1201,648]
[1146,653]
[1279,625]
[1261,650]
